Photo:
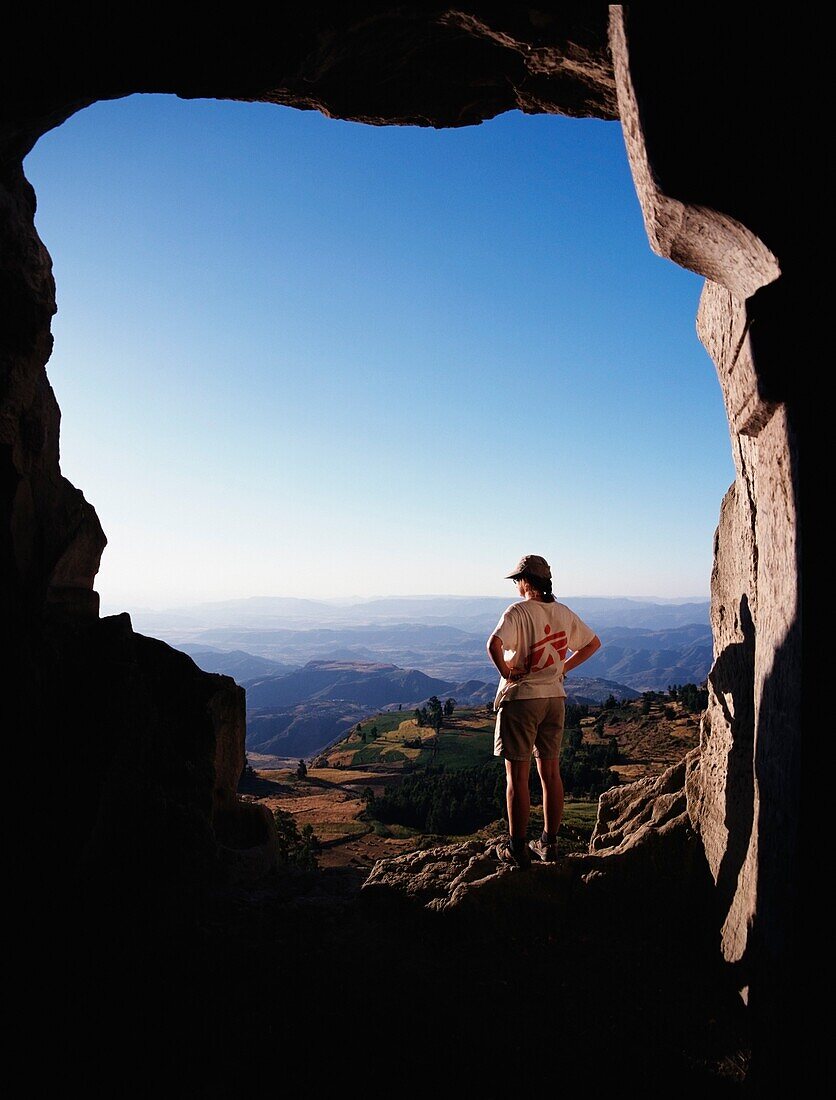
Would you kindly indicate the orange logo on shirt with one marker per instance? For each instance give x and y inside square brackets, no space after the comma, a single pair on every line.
[542,652]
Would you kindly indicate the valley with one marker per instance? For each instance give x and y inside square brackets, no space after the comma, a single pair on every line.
[341,792]
[312,669]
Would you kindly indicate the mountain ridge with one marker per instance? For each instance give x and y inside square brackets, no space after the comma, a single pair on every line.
[300,713]
[475,613]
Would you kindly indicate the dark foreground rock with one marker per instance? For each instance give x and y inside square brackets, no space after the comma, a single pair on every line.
[144,818]
[643,846]
[601,969]
[534,979]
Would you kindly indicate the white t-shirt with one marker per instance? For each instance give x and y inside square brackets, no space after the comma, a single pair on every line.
[537,635]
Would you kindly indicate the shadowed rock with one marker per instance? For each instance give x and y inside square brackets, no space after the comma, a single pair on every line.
[462,876]
[705,118]
[643,843]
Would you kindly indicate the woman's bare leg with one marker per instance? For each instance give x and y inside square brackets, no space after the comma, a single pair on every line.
[552,784]
[517,797]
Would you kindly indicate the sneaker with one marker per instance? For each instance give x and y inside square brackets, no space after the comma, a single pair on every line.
[505,854]
[545,852]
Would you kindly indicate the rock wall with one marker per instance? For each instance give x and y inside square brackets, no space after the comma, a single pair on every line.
[743,798]
[704,120]
[754,613]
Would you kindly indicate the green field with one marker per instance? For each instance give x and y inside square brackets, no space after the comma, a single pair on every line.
[377,752]
[467,742]
[327,829]
[580,815]
[460,749]
[422,787]
[387,721]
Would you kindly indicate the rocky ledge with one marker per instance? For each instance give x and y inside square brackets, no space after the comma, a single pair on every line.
[642,843]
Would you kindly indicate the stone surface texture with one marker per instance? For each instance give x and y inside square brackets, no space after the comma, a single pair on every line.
[643,849]
[743,789]
[154,744]
[627,814]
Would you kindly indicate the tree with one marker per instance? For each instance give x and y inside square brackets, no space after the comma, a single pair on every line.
[693,698]
[296,849]
[574,713]
[449,707]
[435,712]
[301,769]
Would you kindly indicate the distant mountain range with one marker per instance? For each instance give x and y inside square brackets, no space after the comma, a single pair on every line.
[650,660]
[300,713]
[312,668]
[591,689]
[471,614]
[372,685]
[236,663]
[303,730]
[579,689]
[645,660]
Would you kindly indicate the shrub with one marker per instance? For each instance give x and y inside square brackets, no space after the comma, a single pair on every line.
[296,848]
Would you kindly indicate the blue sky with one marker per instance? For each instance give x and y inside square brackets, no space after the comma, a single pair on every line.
[299,356]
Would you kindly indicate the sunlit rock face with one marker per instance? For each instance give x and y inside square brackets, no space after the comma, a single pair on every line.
[704,121]
[743,793]
[711,201]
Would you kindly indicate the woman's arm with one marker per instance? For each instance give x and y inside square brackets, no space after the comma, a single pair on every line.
[496,649]
[581,655]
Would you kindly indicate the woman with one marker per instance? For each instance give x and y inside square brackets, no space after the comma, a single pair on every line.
[528,647]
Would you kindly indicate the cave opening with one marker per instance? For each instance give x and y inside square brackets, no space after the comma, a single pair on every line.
[315,348]
[216,337]
[709,201]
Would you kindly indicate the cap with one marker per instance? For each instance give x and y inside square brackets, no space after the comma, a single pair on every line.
[532,564]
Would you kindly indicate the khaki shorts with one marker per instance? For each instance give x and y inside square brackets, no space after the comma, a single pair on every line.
[526,724]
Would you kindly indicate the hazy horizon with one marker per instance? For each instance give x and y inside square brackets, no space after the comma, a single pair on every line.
[344,601]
